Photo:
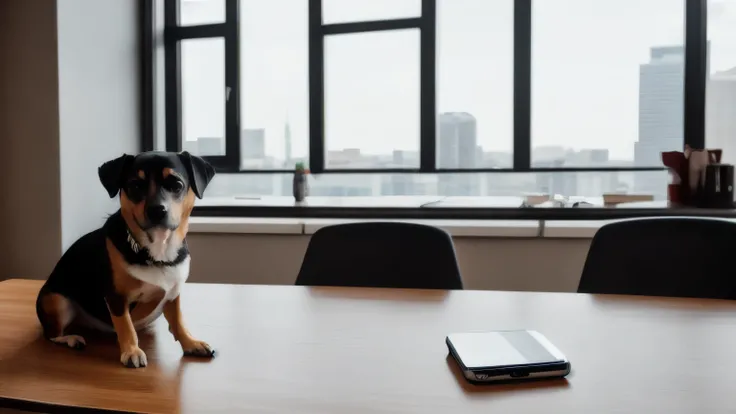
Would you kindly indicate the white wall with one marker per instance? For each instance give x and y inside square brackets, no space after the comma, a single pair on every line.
[68,101]
[99,101]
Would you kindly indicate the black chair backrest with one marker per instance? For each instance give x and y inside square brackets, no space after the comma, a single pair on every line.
[381,254]
[666,256]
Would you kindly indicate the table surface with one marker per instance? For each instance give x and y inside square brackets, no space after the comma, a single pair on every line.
[347,350]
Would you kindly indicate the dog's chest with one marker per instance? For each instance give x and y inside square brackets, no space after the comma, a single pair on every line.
[168,279]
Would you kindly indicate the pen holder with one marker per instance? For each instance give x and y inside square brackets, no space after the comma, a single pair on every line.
[687,171]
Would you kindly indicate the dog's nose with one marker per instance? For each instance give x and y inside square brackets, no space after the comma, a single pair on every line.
[156,213]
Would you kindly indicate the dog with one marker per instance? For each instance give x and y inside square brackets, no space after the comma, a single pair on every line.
[124,275]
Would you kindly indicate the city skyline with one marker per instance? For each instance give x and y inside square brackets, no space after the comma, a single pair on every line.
[609,98]
[585,91]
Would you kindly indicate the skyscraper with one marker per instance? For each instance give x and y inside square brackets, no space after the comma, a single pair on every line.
[721,114]
[457,148]
[210,146]
[661,112]
[457,140]
[287,144]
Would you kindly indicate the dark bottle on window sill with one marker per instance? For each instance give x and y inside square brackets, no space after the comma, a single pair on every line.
[300,183]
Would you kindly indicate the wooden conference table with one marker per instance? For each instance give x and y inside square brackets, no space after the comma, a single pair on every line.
[287,349]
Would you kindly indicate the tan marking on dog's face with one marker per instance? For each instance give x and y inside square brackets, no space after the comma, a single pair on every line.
[167,172]
[132,214]
[184,211]
[122,281]
[141,174]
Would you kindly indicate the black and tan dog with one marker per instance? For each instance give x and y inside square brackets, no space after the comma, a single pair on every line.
[122,276]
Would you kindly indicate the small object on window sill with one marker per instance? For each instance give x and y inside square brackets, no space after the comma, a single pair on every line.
[687,169]
[531,200]
[611,200]
[300,183]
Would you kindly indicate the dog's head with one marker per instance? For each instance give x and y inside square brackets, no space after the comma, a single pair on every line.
[157,189]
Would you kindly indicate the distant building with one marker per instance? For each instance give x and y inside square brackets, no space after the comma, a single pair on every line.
[210,146]
[457,148]
[253,144]
[661,112]
[287,145]
[721,114]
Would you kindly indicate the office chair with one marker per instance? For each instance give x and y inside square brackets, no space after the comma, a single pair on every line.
[381,254]
[665,256]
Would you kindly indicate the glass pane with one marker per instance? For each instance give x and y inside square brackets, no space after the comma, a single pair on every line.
[203,96]
[475,84]
[372,100]
[341,11]
[194,12]
[721,92]
[493,190]
[607,83]
[274,82]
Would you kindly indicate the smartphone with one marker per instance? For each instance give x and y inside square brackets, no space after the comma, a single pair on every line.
[503,356]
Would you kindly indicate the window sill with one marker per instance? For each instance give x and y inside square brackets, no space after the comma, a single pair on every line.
[456,228]
[245,225]
[489,217]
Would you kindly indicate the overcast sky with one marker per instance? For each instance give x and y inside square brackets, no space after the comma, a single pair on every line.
[586,57]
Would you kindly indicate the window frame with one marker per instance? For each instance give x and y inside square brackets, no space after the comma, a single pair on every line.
[173,35]
[695,80]
[159,20]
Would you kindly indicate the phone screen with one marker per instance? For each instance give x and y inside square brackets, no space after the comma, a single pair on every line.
[502,348]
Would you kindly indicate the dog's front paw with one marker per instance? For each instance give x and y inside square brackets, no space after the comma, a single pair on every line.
[197,348]
[133,357]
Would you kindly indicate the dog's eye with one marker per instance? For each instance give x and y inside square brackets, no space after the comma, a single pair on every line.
[137,185]
[175,186]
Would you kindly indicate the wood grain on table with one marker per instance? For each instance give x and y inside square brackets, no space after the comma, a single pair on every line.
[288,349]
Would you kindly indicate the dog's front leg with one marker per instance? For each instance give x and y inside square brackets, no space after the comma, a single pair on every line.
[130,354]
[190,346]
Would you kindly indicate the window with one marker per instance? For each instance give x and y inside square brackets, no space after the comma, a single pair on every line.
[721,96]
[196,12]
[372,100]
[445,98]
[475,78]
[274,84]
[203,96]
[610,97]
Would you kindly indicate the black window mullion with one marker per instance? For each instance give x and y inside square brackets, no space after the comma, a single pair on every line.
[232,85]
[522,84]
[199,32]
[371,26]
[696,72]
[172,73]
[428,83]
[148,71]
[316,89]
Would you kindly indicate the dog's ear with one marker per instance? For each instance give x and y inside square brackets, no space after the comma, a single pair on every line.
[200,172]
[113,172]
